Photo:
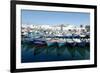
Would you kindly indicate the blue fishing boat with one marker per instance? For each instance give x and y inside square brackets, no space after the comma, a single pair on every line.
[51,44]
[79,43]
[75,36]
[61,44]
[39,42]
[70,43]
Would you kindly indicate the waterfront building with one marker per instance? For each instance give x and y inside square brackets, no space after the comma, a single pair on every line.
[54,30]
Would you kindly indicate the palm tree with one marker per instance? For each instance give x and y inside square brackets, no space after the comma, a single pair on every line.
[87,27]
[81,26]
[28,31]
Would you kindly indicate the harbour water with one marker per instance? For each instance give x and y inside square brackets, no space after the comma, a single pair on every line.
[54,52]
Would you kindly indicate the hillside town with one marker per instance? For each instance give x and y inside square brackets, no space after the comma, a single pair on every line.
[31,30]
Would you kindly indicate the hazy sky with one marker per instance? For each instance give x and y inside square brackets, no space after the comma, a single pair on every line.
[53,18]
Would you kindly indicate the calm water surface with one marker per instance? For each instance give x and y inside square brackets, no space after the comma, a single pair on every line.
[33,53]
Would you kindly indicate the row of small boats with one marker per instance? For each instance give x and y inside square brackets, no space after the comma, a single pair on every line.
[69,36]
[58,42]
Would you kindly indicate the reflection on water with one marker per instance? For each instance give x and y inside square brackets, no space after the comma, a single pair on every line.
[54,52]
